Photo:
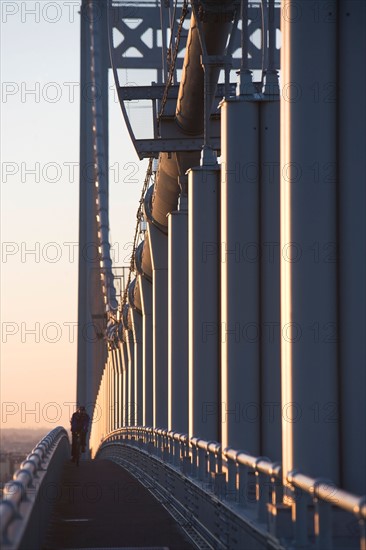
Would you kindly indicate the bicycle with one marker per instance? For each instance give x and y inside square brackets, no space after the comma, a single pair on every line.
[76,446]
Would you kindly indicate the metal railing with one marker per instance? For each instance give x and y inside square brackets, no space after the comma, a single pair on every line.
[17,491]
[251,482]
[324,495]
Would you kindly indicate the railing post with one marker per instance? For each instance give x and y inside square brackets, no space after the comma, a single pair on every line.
[262,496]
[219,476]
[171,449]
[362,534]
[176,444]
[243,484]
[159,447]
[186,459]
[323,524]
[150,441]
[277,491]
[165,450]
[299,512]
[231,479]
[219,462]
[212,462]
[202,464]
[194,461]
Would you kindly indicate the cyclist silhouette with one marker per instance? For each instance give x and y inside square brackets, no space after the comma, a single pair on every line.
[79,425]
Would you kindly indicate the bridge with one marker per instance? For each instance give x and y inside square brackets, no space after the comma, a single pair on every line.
[226,379]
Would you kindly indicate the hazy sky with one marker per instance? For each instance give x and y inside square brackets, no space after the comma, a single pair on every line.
[40,55]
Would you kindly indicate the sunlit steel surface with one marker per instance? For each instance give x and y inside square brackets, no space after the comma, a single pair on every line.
[242,490]
[266,266]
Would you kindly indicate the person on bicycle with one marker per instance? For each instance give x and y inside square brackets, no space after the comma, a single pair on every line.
[79,424]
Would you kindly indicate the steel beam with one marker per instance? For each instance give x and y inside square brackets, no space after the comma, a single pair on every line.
[130,405]
[92,351]
[240,275]
[309,304]
[147,350]
[125,382]
[352,240]
[178,320]
[119,387]
[269,257]
[159,255]
[138,358]
[203,302]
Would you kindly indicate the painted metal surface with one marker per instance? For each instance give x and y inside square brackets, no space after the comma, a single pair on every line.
[269,258]
[309,288]
[203,301]
[96,289]
[236,497]
[240,275]
[178,321]
[275,292]
[352,242]
[159,254]
[138,365]
[147,350]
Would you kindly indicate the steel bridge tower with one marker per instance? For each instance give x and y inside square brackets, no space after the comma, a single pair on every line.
[242,323]
[230,373]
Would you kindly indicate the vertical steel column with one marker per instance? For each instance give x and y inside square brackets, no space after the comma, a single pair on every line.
[131,378]
[125,382]
[105,412]
[270,352]
[178,318]
[113,401]
[92,352]
[240,262]
[111,394]
[159,255]
[86,219]
[116,392]
[147,350]
[106,406]
[115,388]
[107,395]
[309,328]
[100,410]
[203,302]
[111,385]
[137,338]
[352,240]
[119,403]
[110,391]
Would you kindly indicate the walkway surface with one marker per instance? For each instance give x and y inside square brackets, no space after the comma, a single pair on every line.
[102,506]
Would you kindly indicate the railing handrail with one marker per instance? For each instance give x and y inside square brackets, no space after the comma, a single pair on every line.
[318,488]
[326,490]
[15,490]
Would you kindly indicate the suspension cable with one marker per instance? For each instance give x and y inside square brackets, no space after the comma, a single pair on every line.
[173,60]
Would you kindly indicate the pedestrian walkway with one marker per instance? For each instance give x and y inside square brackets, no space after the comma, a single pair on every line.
[100,505]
